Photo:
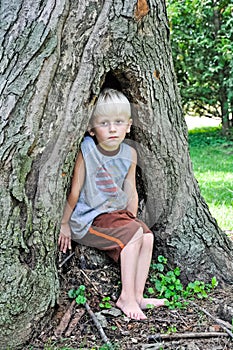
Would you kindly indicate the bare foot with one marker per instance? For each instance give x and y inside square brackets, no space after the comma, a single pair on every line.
[151,301]
[131,309]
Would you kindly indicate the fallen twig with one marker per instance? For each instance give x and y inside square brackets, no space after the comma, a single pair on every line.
[98,326]
[182,320]
[88,279]
[187,335]
[217,320]
[66,259]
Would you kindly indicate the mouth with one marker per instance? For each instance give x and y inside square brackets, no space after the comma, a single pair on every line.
[113,137]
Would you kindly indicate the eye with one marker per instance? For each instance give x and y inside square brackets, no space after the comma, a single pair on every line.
[103,123]
[119,121]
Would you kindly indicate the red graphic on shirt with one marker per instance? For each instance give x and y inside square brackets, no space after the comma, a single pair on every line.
[105,182]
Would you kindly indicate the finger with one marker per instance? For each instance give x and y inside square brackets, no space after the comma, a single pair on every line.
[63,245]
[60,238]
[66,244]
[70,243]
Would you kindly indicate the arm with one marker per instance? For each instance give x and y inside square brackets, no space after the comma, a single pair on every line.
[64,240]
[130,186]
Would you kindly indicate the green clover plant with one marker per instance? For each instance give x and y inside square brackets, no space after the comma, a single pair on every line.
[169,286]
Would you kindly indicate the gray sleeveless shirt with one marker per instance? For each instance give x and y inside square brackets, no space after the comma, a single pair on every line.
[102,190]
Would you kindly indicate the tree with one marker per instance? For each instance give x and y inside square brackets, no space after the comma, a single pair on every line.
[56,57]
[202,38]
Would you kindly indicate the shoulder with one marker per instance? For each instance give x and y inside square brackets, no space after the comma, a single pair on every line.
[131,152]
[134,154]
[87,145]
[88,140]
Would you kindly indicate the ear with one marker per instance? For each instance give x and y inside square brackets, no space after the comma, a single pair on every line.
[129,125]
[91,130]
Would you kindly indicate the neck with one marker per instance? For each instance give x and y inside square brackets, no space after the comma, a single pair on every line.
[108,153]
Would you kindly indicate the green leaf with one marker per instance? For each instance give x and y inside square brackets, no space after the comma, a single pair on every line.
[81,289]
[214,282]
[168,294]
[105,305]
[72,293]
[177,271]
[162,259]
[108,305]
[179,287]
[81,300]
[151,290]
[105,298]
[158,285]
[160,267]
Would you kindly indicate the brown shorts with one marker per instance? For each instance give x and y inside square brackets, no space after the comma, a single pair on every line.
[112,231]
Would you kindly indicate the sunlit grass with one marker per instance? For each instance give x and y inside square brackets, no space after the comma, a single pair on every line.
[212,158]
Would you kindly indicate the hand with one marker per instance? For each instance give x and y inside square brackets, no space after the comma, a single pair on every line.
[64,240]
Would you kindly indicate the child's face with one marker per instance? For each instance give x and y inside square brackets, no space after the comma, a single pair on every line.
[110,131]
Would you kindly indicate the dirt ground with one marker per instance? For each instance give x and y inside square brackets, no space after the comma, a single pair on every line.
[204,325]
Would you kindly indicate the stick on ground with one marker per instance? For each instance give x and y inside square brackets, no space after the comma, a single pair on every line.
[187,335]
[217,320]
[98,326]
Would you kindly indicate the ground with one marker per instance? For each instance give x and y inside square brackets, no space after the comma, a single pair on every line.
[72,327]
[205,324]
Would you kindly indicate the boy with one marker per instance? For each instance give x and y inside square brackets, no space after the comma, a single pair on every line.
[102,206]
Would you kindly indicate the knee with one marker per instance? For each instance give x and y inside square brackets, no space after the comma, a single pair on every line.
[148,239]
[137,237]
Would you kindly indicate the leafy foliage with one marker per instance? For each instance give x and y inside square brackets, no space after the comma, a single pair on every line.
[78,295]
[169,286]
[212,159]
[105,304]
[202,46]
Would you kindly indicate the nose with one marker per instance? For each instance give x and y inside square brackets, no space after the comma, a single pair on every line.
[112,127]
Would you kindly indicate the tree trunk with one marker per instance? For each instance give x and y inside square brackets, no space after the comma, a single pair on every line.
[224,109]
[56,57]
[224,74]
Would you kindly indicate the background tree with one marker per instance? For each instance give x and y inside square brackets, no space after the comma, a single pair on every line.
[55,58]
[202,46]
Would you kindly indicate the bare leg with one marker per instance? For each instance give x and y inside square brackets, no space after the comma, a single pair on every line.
[142,270]
[129,261]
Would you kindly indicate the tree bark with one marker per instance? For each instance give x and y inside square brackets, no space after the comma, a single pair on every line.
[56,56]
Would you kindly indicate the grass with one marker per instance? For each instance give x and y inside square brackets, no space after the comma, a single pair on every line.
[212,157]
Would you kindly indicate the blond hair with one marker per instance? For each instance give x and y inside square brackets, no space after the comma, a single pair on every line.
[111,103]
